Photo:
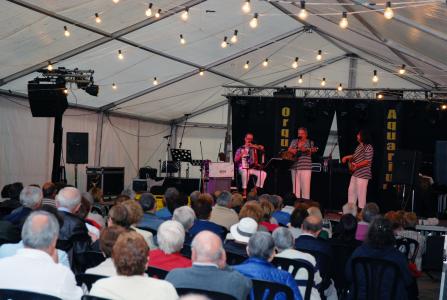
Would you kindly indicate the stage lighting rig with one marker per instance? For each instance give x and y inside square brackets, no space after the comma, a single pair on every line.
[82,78]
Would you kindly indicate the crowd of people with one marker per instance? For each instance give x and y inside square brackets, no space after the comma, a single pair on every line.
[213,242]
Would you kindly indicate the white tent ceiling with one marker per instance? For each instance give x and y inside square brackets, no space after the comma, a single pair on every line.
[31,34]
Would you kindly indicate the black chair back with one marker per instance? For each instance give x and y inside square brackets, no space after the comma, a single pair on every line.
[234,258]
[88,279]
[89,297]
[156,272]
[293,266]
[267,290]
[93,258]
[368,278]
[151,230]
[24,295]
[342,251]
[210,294]
[409,247]
[325,265]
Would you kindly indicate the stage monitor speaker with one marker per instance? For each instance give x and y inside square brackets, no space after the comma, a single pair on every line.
[109,179]
[406,166]
[440,163]
[47,100]
[77,148]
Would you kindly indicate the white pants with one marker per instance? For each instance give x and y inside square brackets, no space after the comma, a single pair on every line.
[260,177]
[357,191]
[301,183]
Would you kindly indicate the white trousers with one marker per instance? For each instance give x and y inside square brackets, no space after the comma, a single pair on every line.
[301,183]
[357,191]
[260,177]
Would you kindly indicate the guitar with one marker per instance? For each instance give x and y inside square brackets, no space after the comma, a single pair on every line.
[351,167]
[290,156]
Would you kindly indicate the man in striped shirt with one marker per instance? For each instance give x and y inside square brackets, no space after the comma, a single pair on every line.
[361,162]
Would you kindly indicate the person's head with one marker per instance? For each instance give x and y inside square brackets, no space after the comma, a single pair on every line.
[97,194]
[135,211]
[267,209]
[350,208]
[290,199]
[69,198]
[252,196]
[237,200]
[261,245]
[31,197]
[108,237]
[194,196]
[14,190]
[129,254]
[410,220]
[346,228]
[129,192]
[396,219]
[173,200]
[243,230]
[277,201]
[283,239]
[252,209]
[121,198]
[147,202]
[206,247]
[315,211]
[119,215]
[380,233]
[312,225]
[248,139]
[224,199]
[185,215]
[364,137]
[370,211]
[302,133]
[49,190]
[203,206]
[297,217]
[170,237]
[40,231]
[84,209]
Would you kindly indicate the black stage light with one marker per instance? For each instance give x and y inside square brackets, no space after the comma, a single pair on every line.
[92,89]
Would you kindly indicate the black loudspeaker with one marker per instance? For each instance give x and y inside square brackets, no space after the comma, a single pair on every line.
[440,163]
[47,100]
[406,166]
[109,179]
[77,148]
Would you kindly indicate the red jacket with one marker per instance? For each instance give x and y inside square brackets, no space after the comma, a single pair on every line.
[161,260]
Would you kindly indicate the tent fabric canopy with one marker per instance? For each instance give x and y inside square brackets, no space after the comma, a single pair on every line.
[32,34]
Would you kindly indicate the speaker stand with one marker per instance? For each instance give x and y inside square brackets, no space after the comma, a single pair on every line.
[76,175]
[57,152]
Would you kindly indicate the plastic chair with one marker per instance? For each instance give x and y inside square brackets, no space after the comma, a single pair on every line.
[267,290]
[409,247]
[156,272]
[368,278]
[89,297]
[88,279]
[293,266]
[210,294]
[24,295]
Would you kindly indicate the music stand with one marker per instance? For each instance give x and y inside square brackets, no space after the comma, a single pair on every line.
[275,164]
[182,155]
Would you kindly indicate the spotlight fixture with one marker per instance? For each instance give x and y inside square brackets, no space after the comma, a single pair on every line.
[158,13]
[344,20]
[254,21]
[114,86]
[65,91]
[444,107]
[319,55]
[300,80]
[265,63]
[402,70]
[375,78]
[185,14]
[234,37]
[379,96]
[149,10]
[224,43]
[201,72]
[246,7]
[97,18]
[303,12]
[66,32]
[155,82]
[340,87]
[247,64]
[182,40]
[295,63]
[50,66]
[120,55]
[388,12]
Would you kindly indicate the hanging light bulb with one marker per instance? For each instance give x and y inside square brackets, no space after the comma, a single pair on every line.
[234,37]
[247,65]
[246,7]
[254,21]
[319,55]
[402,70]
[149,10]
[375,78]
[344,20]
[323,82]
[97,18]
[300,80]
[114,86]
[201,72]
[120,55]
[182,40]
[224,43]
[66,32]
[65,91]
[303,12]
[295,63]
[444,107]
[265,63]
[116,1]
[155,82]
[379,96]
[388,12]
[50,66]
[340,87]
[185,14]
[158,13]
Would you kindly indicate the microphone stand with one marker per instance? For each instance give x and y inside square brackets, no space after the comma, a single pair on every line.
[328,163]
[168,146]
[201,167]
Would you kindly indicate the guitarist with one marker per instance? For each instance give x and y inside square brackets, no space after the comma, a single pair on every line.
[360,167]
[301,170]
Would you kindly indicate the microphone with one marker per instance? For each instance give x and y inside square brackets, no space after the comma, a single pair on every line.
[166,136]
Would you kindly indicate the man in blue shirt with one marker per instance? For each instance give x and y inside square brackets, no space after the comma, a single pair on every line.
[149,220]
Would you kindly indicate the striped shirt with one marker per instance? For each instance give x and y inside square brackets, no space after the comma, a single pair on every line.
[363,152]
[304,161]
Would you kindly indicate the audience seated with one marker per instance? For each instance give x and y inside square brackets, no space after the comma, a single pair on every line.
[109,236]
[350,208]
[35,268]
[284,243]
[135,215]
[49,191]
[268,209]
[240,234]
[202,208]
[325,233]
[171,197]
[209,270]
[222,214]
[236,202]
[129,256]
[261,250]
[8,232]
[170,237]
[296,221]
[186,216]
[97,212]
[281,217]
[252,209]
[82,213]
[149,220]
[410,221]
[30,199]
[12,193]
[344,232]
[369,212]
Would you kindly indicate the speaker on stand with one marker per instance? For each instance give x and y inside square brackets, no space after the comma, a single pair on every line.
[77,150]
[405,172]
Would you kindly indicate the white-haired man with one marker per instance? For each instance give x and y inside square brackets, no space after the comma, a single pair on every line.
[31,199]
